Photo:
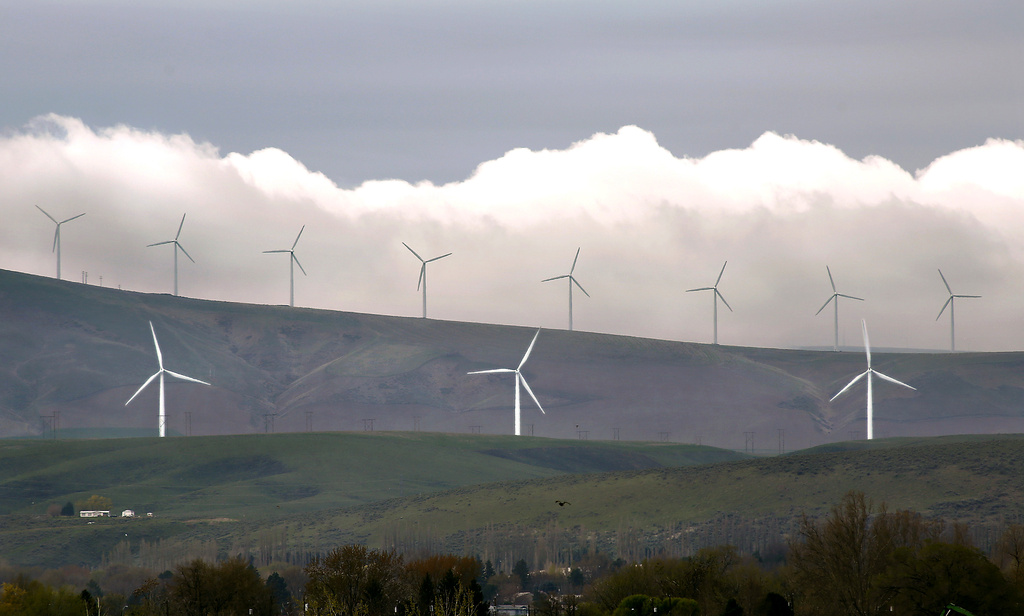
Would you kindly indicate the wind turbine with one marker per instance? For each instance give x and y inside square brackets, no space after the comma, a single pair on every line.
[519,379]
[572,281]
[835,298]
[715,296]
[952,305]
[869,372]
[177,245]
[423,275]
[292,262]
[160,373]
[56,234]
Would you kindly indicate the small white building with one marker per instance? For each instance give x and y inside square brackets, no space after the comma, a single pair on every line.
[127,513]
[94,514]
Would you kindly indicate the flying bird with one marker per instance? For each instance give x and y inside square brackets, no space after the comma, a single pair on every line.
[562,503]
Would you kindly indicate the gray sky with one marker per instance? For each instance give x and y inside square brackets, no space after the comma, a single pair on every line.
[782,136]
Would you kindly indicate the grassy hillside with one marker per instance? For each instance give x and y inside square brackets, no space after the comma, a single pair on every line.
[72,354]
[288,496]
[270,474]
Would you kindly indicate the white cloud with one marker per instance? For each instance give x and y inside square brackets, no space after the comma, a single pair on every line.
[650,225]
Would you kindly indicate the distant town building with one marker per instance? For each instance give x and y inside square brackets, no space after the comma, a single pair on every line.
[127,513]
[94,514]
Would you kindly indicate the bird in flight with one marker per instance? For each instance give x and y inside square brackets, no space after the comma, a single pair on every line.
[562,503]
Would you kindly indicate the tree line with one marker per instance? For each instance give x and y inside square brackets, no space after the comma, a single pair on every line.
[860,560]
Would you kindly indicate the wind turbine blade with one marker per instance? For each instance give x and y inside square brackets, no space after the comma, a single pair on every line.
[849,385]
[830,281]
[573,268]
[148,381]
[722,297]
[720,274]
[436,258]
[185,251]
[825,304]
[530,391]
[969,296]
[867,343]
[180,226]
[423,273]
[298,236]
[159,355]
[264,252]
[571,279]
[56,238]
[297,262]
[48,215]
[528,351]
[555,278]
[701,289]
[892,380]
[494,371]
[160,243]
[944,307]
[413,252]
[945,283]
[72,218]
[185,378]
[859,299]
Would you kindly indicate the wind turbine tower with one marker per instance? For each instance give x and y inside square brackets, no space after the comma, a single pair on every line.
[292,262]
[160,373]
[56,234]
[835,299]
[519,379]
[715,296]
[423,275]
[177,245]
[572,281]
[868,373]
[952,306]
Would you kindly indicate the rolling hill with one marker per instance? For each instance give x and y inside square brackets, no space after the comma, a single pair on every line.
[286,497]
[72,354]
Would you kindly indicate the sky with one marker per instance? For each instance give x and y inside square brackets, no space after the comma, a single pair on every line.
[661,139]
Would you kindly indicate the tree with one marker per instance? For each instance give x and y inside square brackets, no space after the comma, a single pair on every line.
[95,503]
[925,580]
[522,571]
[836,562]
[279,591]
[68,509]
[352,578]
[231,587]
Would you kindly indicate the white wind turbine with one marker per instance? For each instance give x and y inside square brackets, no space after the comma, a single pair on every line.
[423,275]
[869,372]
[572,281]
[292,262]
[952,305]
[56,234]
[177,245]
[835,298]
[715,296]
[519,379]
[160,373]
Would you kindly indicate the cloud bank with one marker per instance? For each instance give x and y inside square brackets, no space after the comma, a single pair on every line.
[650,224]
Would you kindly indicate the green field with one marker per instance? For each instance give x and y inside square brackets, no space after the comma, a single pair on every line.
[302,493]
